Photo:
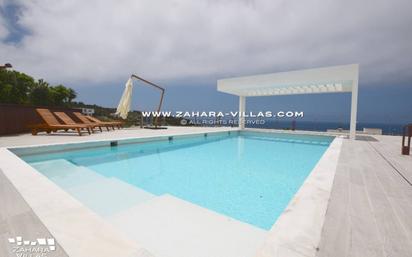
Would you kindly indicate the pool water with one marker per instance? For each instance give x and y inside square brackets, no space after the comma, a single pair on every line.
[248,176]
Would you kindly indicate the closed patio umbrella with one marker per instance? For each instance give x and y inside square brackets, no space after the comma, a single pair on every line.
[124,105]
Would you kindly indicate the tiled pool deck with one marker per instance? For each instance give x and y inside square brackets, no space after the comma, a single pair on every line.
[369,211]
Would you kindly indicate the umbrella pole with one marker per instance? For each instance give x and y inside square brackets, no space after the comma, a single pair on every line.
[160,106]
[161,96]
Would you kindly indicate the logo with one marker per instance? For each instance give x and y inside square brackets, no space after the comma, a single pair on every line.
[39,247]
[220,114]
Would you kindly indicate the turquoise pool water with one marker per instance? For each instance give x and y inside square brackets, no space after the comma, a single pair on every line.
[248,176]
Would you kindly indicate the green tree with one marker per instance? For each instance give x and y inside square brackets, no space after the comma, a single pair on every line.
[72,95]
[6,93]
[24,84]
[20,88]
[8,90]
[39,94]
[59,95]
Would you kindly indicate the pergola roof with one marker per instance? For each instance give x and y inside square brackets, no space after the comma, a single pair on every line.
[335,79]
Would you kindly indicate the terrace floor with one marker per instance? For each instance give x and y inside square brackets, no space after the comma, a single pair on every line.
[370,208]
[369,211]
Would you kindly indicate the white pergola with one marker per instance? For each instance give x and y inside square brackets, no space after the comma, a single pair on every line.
[334,79]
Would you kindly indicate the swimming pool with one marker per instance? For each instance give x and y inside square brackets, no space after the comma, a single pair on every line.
[248,176]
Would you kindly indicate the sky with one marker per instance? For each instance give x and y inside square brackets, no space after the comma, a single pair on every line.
[185,46]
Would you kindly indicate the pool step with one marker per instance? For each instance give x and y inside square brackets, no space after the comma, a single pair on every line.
[66,174]
[108,196]
[168,227]
[105,196]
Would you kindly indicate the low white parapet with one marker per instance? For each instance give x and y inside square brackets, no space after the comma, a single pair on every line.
[369,131]
[372,131]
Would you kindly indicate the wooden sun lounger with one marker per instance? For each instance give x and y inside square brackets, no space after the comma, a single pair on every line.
[52,124]
[118,124]
[68,121]
[84,119]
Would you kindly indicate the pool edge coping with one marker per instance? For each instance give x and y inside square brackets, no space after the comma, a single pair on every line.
[297,231]
[126,140]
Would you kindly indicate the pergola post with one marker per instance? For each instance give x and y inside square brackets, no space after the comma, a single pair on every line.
[242,108]
[354,109]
